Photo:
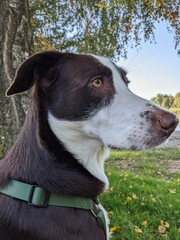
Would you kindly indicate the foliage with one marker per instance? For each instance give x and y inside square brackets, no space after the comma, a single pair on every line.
[177,100]
[167,101]
[175,111]
[140,204]
[102,27]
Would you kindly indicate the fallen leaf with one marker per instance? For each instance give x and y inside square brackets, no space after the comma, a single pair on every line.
[137,229]
[134,196]
[153,199]
[162,229]
[110,213]
[144,223]
[129,199]
[167,225]
[172,190]
[113,229]
[162,222]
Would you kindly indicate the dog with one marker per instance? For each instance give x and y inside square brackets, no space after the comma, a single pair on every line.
[81,107]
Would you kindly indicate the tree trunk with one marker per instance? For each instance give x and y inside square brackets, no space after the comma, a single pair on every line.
[15,46]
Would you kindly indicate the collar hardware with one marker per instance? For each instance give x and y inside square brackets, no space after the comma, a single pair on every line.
[44,196]
[39,197]
[93,213]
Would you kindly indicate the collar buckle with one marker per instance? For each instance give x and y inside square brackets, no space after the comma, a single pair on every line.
[38,197]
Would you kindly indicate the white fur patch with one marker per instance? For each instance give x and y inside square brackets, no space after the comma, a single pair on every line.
[89,151]
[106,219]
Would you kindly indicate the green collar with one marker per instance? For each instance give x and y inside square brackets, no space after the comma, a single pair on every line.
[39,197]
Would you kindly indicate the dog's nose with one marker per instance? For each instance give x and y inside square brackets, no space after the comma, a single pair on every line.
[167,121]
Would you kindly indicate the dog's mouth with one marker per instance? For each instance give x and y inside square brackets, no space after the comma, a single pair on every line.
[146,141]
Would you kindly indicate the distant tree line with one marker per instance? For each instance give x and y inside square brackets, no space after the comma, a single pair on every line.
[172,103]
[167,101]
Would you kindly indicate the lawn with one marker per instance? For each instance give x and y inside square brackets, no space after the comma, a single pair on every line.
[143,201]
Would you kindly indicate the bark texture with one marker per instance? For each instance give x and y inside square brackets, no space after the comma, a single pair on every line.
[15,47]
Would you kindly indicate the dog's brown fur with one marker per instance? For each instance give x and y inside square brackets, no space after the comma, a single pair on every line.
[61,87]
[37,157]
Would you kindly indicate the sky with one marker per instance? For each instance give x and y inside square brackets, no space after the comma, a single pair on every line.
[155,68]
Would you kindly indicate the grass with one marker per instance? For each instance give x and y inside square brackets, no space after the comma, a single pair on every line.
[143,200]
[152,163]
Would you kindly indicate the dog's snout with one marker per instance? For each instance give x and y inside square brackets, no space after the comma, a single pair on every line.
[167,121]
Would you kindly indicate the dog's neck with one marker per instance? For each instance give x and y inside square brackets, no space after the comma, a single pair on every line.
[89,152]
[38,157]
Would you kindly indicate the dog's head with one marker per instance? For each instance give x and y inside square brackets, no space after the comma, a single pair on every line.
[91,93]
[90,108]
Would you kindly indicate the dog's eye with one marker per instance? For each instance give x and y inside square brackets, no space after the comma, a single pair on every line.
[96,83]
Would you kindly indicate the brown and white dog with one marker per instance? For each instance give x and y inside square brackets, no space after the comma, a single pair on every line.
[81,107]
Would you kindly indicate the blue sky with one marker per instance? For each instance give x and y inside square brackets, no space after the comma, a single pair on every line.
[155,68]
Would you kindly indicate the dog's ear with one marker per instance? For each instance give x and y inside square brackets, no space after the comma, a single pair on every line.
[32,69]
